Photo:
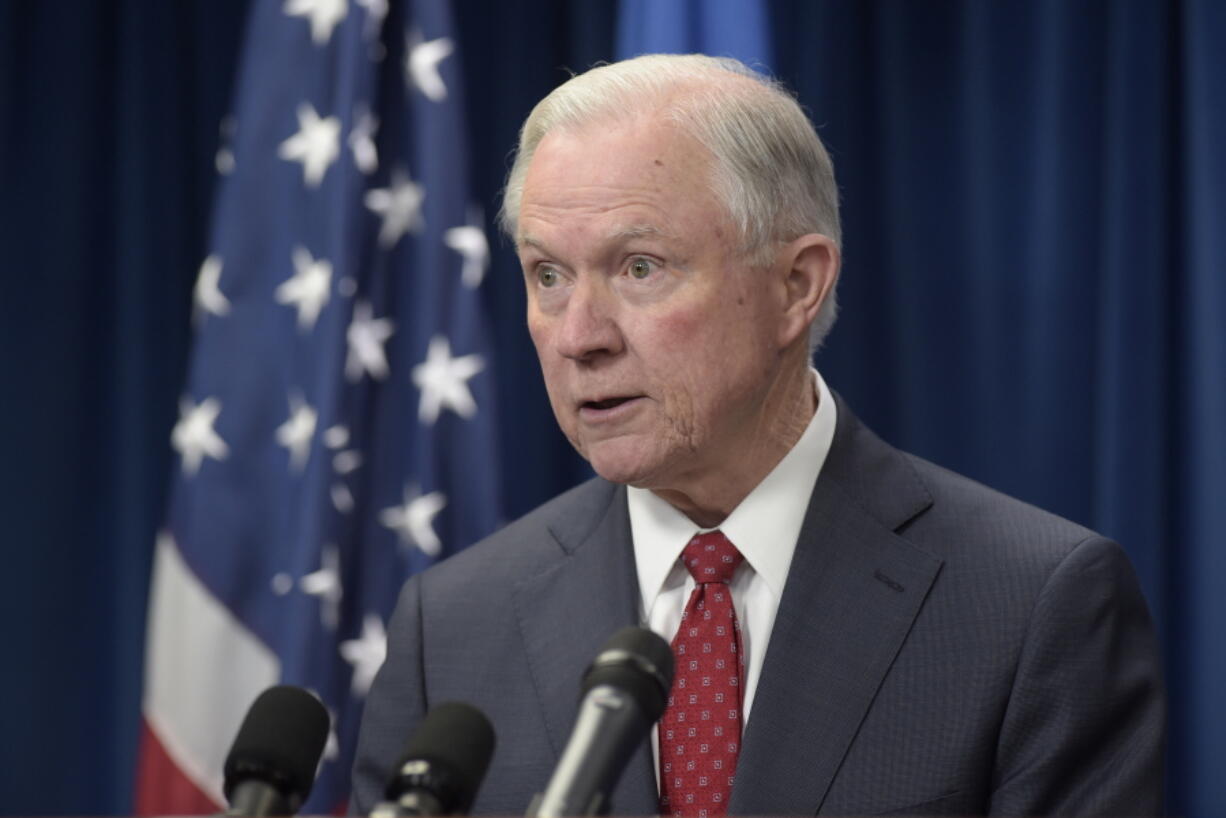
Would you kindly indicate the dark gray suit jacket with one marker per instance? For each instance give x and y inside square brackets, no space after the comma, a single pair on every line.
[939,649]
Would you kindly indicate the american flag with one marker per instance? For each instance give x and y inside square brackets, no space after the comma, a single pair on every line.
[336,431]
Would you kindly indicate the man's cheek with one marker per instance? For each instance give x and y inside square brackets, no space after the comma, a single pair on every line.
[676,335]
[559,397]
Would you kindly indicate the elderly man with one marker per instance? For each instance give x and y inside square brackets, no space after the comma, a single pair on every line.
[857,630]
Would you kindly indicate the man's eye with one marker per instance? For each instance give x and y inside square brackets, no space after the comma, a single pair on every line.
[640,268]
[547,276]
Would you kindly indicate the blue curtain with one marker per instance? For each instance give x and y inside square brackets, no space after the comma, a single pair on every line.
[1035,204]
[108,123]
[1034,197]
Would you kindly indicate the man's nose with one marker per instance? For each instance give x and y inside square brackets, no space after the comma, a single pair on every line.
[589,327]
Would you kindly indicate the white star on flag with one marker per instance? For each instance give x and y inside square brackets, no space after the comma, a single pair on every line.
[324,15]
[223,160]
[362,142]
[421,64]
[193,436]
[366,336]
[398,205]
[295,434]
[316,144]
[326,584]
[342,498]
[336,437]
[366,653]
[207,298]
[470,242]
[376,10]
[347,461]
[307,290]
[414,521]
[443,382]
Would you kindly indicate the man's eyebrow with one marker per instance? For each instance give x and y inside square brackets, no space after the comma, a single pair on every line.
[635,231]
[525,240]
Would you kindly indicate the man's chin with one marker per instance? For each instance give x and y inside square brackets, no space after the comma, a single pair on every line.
[617,465]
[618,474]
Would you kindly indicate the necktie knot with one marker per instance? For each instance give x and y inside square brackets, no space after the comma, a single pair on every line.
[711,557]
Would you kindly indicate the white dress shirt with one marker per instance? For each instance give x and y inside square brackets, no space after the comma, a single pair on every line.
[764,528]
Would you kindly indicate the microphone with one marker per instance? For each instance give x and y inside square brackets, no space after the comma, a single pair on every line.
[271,765]
[624,694]
[442,765]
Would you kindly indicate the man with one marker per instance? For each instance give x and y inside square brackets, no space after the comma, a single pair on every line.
[885,636]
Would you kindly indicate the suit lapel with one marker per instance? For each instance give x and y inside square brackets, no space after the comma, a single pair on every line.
[567,612]
[853,591]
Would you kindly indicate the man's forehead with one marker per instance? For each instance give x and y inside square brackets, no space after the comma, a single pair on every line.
[660,144]
[615,235]
[627,180]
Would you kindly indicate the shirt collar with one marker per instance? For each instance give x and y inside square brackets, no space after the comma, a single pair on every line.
[764,526]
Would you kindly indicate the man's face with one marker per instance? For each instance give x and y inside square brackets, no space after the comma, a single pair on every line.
[654,335]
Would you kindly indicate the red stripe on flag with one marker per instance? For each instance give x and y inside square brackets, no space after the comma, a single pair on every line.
[161,787]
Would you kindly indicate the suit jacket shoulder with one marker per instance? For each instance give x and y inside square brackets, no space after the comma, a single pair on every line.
[529,544]
[939,639]
[509,625]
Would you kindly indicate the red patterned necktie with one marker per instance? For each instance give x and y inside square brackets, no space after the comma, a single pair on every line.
[700,733]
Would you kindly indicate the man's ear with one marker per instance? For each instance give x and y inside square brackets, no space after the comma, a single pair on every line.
[811,266]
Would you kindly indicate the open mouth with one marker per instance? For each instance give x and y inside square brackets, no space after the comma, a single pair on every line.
[607,403]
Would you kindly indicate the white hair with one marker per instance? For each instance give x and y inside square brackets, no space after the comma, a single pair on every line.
[770,170]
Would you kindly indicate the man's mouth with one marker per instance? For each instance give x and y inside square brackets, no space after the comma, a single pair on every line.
[607,403]
[608,409]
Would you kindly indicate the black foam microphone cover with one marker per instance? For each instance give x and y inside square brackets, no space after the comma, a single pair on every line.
[444,762]
[639,662]
[625,690]
[271,766]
